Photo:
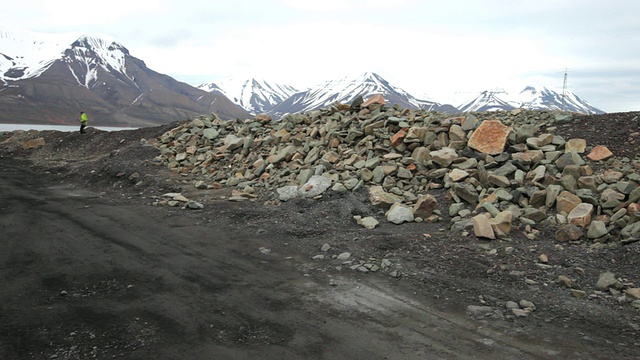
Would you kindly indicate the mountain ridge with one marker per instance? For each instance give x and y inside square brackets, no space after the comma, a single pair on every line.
[101,77]
[254,95]
[46,78]
[346,89]
[531,98]
[343,90]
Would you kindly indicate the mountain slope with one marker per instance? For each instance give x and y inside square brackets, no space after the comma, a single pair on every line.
[543,98]
[532,98]
[255,96]
[99,76]
[345,90]
[277,100]
[486,101]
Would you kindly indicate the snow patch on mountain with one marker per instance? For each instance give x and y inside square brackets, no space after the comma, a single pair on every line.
[532,98]
[486,101]
[94,53]
[25,54]
[254,95]
[347,89]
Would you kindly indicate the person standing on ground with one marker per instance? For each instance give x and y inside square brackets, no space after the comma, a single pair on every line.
[83,121]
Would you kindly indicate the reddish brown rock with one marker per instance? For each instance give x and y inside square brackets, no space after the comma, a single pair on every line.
[381,198]
[263,118]
[600,153]
[398,137]
[633,293]
[569,232]
[482,226]
[566,201]
[31,144]
[576,145]
[490,137]
[633,208]
[425,206]
[581,215]
[376,99]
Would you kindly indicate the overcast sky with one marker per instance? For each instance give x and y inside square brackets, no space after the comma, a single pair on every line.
[431,48]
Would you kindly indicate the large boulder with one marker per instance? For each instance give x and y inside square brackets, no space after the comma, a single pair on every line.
[490,137]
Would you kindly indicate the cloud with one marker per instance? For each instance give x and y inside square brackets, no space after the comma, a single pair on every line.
[342,5]
[172,38]
[432,47]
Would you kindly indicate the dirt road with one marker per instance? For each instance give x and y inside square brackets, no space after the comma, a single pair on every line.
[88,276]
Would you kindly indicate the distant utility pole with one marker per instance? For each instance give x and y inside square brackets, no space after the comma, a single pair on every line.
[564,91]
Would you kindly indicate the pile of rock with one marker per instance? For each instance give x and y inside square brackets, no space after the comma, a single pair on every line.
[498,169]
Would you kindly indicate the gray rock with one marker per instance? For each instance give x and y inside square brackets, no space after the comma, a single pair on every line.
[304,176]
[233,142]
[210,134]
[630,230]
[597,229]
[563,118]
[201,185]
[570,158]
[317,185]
[399,213]
[378,175]
[194,205]
[498,180]
[466,192]
[552,194]
[455,208]
[606,280]
[369,222]
[478,312]
[339,187]
[287,193]
[512,305]
[505,170]
[525,131]
[444,157]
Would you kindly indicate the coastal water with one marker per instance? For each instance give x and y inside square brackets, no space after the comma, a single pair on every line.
[68,128]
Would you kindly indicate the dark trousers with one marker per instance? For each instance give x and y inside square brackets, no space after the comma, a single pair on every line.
[82,126]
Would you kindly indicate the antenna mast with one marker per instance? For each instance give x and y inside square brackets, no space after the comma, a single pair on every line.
[564,91]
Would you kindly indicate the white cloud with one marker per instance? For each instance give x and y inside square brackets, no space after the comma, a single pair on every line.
[341,5]
[433,47]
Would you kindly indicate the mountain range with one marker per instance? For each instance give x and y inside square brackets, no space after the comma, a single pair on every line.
[533,98]
[279,102]
[344,90]
[48,79]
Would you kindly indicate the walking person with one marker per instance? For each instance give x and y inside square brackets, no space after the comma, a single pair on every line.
[83,121]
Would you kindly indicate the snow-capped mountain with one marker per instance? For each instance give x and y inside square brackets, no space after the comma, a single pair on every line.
[49,79]
[543,98]
[532,98]
[486,101]
[255,96]
[347,89]
[25,54]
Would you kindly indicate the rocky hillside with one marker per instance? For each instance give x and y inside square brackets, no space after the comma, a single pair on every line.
[502,172]
[522,214]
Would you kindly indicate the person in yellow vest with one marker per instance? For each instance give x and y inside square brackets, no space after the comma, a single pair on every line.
[83,121]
